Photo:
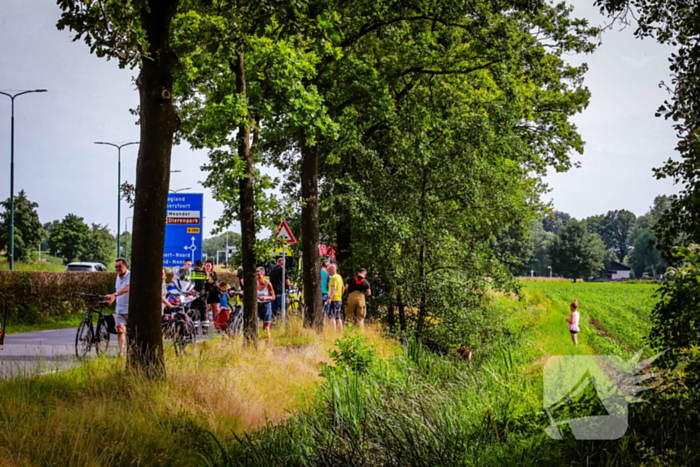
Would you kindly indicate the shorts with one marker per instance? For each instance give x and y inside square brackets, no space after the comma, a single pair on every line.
[573,332]
[334,310]
[265,312]
[213,297]
[324,299]
[120,320]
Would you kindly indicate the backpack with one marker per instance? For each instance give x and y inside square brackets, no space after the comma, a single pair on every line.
[222,319]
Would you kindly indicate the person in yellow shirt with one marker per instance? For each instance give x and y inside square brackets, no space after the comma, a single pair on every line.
[335,298]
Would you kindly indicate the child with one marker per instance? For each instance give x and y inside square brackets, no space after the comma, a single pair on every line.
[573,321]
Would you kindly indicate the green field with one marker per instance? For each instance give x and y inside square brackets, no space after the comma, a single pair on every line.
[623,310]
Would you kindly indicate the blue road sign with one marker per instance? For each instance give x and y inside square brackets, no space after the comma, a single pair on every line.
[183,228]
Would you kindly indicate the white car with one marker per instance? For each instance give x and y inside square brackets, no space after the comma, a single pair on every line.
[86,267]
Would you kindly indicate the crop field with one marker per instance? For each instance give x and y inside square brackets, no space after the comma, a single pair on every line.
[623,310]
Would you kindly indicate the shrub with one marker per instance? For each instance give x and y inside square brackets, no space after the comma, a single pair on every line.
[354,352]
[33,296]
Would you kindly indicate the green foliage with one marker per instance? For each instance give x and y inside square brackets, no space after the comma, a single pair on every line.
[100,247]
[69,239]
[576,253]
[556,220]
[354,352]
[615,229]
[28,229]
[676,315]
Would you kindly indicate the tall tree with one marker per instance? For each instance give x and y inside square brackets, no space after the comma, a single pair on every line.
[267,97]
[28,230]
[69,239]
[100,246]
[555,221]
[575,253]
[137,33]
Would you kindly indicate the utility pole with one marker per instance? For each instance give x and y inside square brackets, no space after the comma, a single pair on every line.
[12,172]
[119,189]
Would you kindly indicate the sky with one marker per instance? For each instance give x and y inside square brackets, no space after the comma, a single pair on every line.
[89,98]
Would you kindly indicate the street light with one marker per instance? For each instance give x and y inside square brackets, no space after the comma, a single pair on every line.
[181,189]
[12,173]
[550,271]
[126,228]
[119,187]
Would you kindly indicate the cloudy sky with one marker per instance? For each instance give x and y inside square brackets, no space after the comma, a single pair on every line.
[60,167]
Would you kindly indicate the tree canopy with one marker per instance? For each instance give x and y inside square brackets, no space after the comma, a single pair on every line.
[28,230]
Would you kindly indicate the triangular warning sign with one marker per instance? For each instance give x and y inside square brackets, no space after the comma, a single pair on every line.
[284,234]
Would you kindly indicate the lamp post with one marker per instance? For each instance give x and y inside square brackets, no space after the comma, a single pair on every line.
[126,228]
[12,172]
[550,271]
[119,188]
[539,271]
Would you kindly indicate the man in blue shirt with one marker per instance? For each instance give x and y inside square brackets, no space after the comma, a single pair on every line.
[325,278]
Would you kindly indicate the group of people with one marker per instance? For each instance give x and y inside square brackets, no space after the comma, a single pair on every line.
[218,293]
[332,290]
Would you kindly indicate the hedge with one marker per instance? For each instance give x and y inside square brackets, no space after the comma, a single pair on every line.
[33,296]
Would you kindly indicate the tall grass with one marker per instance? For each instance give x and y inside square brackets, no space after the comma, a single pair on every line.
[101,414]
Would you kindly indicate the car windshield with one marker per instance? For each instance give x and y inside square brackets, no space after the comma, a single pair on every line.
[79,268]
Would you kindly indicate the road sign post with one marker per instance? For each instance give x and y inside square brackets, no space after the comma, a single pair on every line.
[183,229]
[286,237]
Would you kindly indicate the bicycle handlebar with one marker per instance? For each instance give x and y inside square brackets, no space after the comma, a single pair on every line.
[87,296]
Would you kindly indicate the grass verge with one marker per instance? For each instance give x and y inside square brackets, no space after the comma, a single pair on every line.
[101,414]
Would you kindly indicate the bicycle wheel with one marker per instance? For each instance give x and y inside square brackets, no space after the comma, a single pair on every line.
[83,339]
[102,339]
[235,326]
[185,339]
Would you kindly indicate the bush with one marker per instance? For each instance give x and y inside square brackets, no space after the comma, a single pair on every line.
[354,352]
[33,296]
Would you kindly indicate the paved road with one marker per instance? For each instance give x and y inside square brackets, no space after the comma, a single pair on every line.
[40,352]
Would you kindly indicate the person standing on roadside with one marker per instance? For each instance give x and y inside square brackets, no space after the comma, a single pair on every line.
[276,281]
[184,272]
[335,298]
[358,287]
[265,295]
[325,279]
[164,294]
[121,313]
[211,290]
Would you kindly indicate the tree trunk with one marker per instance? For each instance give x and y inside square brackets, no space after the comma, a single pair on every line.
[250,292]
[158,124]
[422,308]
[402,310]
[391,319]
[313,316]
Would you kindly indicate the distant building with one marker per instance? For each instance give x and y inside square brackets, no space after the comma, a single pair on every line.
[617,271]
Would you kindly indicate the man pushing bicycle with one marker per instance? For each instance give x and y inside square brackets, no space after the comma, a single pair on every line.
[121,313]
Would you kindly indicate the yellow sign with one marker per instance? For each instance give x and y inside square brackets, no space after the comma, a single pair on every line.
[192,229]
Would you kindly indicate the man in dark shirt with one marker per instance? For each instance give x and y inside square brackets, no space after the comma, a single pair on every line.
[276,281]
[358,287]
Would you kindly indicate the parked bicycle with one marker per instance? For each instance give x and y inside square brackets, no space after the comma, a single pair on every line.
[90,334]
[234,327]
[184,334]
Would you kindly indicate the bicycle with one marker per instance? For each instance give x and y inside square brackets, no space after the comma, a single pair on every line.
[90,335]
[234,327]
[184,334]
